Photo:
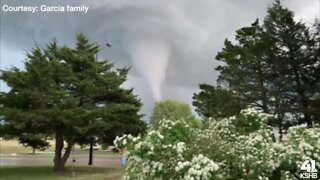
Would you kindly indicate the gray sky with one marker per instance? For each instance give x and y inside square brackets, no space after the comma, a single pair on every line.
[170,44]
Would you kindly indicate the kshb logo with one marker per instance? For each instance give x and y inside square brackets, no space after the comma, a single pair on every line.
[310,167]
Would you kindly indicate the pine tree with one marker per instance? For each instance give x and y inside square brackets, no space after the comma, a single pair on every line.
[216,102]
[293,47]
[246,67]
[67,93]
[273,66]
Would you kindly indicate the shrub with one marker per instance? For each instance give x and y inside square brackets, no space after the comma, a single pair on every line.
[239,147]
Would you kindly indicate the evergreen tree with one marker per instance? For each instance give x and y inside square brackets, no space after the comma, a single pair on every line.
[66,92]
[315,67]
[216,102]
[245,70]
[36,142]
[293,48]
[272,66]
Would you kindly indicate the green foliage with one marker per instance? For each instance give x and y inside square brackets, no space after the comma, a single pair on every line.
[34,141]
[68,93]
[238,147]
[157,155]
[216,102]
[301,144]
[244,72]
[272,65]
[171,109]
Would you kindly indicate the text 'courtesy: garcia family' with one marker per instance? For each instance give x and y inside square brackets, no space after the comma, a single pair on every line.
[45,8]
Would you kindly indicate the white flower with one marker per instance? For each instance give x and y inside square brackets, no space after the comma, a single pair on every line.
[180,147]
[160,136]
[137,146]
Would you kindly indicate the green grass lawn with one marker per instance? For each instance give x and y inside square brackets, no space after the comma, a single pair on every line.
[46,173]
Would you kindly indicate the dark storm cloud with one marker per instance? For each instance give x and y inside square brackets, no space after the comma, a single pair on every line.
[170,45]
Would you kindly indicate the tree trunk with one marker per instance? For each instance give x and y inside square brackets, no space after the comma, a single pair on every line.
[280,130]
[305,107]
[33,150]
[91,153]
[58,152]
[308,119]
[59,160]
[264,96]
[303,98]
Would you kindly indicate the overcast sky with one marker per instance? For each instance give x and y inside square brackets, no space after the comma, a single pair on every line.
[170,44]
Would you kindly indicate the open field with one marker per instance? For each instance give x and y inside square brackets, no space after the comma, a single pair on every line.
[14,154]
[46,173]
[36,160]
[18,162]
[12,147]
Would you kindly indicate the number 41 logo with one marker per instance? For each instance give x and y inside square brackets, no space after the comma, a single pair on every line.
[309,166]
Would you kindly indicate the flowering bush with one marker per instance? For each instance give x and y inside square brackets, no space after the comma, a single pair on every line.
[240,144]
[301,144]
[164,154]
[239,147]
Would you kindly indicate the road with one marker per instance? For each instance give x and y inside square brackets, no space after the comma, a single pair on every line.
[42,160]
